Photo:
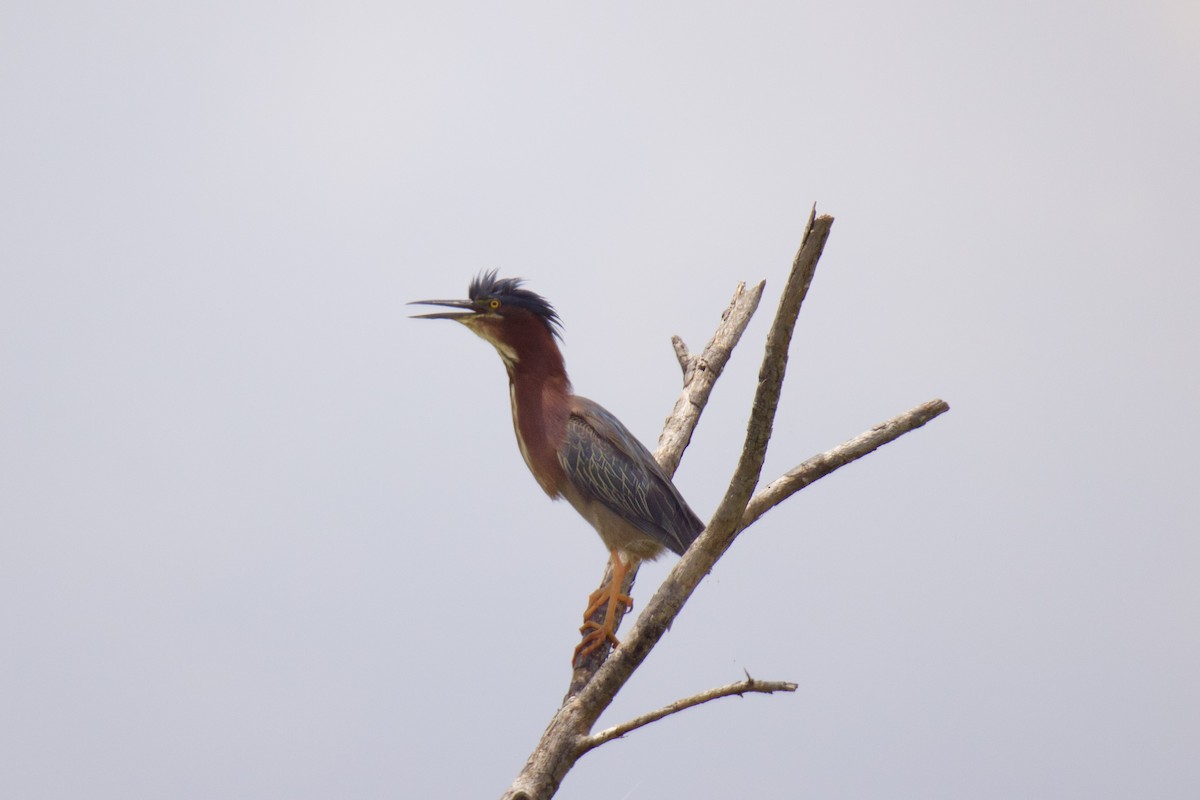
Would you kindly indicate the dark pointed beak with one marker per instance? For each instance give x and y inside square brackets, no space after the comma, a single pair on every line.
[459,315]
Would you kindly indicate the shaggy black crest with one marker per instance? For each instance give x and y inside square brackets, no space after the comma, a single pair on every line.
[509,292]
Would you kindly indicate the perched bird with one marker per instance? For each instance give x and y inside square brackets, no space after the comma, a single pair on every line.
[574,448]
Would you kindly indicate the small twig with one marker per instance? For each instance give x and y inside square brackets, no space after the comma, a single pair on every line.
[681,353]
[822,464]
[749,685]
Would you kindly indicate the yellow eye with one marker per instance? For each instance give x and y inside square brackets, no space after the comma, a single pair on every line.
[493,304]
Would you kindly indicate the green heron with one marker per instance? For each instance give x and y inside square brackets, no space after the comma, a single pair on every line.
[574,448]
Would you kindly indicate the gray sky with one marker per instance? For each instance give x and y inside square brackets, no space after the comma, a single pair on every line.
[263,536]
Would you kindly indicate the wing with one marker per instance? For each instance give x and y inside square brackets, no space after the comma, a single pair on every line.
[607,463]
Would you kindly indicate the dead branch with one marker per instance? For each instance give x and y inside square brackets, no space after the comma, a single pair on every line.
[701,373]
[822,464]
[596,682]
[723,527]
[747,686]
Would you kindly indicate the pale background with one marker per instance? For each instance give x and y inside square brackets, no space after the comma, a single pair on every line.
[262,536]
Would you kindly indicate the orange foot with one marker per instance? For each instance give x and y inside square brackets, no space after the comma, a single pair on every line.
[608,596]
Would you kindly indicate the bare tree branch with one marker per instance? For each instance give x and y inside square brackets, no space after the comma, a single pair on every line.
[749,685]
[595,684]
[701,373]
[679,584]
[822,464]
[563,741]
[724,525]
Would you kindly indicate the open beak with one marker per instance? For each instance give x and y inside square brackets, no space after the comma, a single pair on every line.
[459,315]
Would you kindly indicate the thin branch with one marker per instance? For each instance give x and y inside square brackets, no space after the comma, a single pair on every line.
[822,464]
[701,373]
[747,686]
[723,527]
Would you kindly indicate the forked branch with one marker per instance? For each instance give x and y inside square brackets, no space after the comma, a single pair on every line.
[596,681]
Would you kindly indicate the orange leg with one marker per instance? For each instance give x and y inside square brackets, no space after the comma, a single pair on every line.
[608,596]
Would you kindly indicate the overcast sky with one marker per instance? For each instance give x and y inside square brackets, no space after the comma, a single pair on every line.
[262,535]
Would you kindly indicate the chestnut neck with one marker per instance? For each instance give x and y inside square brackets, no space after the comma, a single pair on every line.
[540,392]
